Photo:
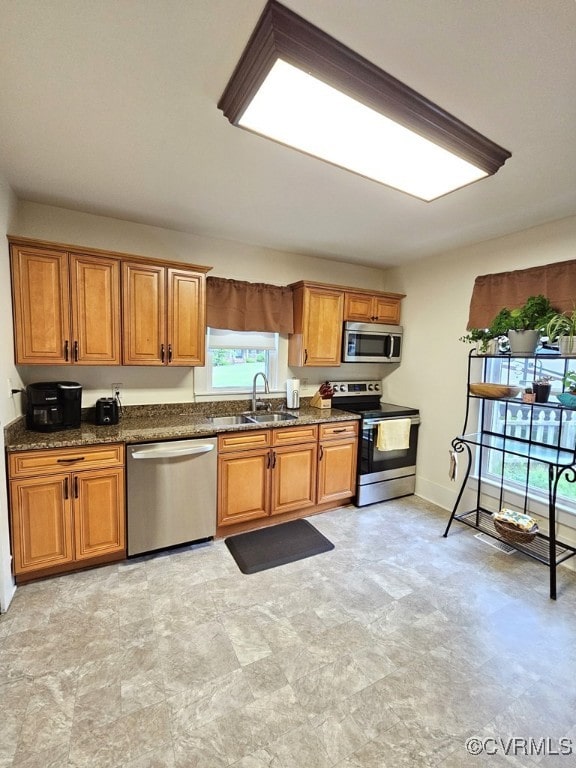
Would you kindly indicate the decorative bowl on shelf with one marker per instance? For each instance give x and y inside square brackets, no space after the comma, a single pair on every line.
[486,389]
[567,399]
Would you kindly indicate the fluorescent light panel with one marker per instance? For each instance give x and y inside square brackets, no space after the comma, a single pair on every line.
[299,110]
[300,87]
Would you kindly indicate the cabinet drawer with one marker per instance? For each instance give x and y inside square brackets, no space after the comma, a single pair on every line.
[291,435]
[77,459]
[238,441]
[338,429]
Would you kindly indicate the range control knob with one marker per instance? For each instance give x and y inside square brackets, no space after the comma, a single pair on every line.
[370,387]
[376,387]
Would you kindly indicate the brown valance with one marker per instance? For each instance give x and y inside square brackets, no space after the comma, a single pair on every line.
[237,305]
[511,289]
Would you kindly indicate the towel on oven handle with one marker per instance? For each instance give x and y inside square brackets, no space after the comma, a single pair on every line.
[393,435]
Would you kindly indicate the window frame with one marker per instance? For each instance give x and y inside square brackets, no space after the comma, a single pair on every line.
[494,483]
[271,365]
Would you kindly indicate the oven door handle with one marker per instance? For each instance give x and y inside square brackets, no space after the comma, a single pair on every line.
[372,422]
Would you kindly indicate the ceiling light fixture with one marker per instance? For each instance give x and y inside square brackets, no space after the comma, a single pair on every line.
[299,86]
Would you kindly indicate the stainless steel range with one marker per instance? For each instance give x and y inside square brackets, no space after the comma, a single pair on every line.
[384,472]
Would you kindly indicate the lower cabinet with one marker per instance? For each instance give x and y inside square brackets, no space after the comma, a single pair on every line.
[279,476]
[67,508]
[337,459]
[293,470]
[272,472]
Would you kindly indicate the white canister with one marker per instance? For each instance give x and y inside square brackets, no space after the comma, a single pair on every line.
[293,393]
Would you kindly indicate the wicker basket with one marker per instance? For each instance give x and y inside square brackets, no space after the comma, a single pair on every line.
[512,533]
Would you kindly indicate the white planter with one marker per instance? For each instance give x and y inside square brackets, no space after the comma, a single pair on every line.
[567,346]
[523,342]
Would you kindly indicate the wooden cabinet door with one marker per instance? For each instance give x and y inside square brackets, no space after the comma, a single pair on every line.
[41,516]
[322,327]
[358,307]
[243,486]
[368,308]
[41,299]
[99,527]
[387,310]
[95,284]
[337,470]
[186,318]
[144,315]
[293,478]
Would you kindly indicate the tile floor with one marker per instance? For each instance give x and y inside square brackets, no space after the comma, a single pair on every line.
[391,650]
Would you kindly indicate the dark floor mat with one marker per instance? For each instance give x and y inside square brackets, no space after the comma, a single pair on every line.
[276,545]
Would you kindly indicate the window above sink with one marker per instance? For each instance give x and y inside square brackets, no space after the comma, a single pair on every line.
[234,357]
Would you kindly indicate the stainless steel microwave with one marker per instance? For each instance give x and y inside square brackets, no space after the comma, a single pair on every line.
[371,343]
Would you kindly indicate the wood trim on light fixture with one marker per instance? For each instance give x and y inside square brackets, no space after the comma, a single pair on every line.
[280,33]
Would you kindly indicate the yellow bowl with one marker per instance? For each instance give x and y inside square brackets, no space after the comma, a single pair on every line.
[484,389]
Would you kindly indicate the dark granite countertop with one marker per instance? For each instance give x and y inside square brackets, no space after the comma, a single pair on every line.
[150,423]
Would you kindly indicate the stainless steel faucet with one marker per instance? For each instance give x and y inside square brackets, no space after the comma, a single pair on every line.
[257,404]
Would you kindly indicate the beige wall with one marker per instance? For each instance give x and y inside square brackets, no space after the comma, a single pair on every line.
[433,371]
[9,407]
[228,259]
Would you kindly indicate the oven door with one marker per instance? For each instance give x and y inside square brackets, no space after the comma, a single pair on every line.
[385,465]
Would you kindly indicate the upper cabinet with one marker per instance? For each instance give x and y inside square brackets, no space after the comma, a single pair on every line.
[318,316]
[164,315]
[70,308]
[372,307]
[66,307]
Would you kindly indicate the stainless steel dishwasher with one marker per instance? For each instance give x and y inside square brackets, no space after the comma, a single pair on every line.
[171,493]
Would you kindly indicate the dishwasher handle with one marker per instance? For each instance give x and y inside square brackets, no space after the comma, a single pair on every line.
[169,451]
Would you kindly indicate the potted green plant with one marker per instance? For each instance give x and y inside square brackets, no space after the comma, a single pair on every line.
[486,343]
[541,388]
[561,329]
[525,323]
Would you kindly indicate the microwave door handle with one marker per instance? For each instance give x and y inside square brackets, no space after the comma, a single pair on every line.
[389,347]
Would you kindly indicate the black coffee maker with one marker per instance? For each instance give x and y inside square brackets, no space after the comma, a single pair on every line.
[53,405]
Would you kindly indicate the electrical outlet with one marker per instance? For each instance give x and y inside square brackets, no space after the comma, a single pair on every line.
[10,393]
[117,389]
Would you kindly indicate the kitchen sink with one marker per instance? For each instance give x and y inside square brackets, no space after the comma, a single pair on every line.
[266,417]
[225,421]
[252,417]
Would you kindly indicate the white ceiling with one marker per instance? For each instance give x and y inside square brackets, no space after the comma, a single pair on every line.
[109,107]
